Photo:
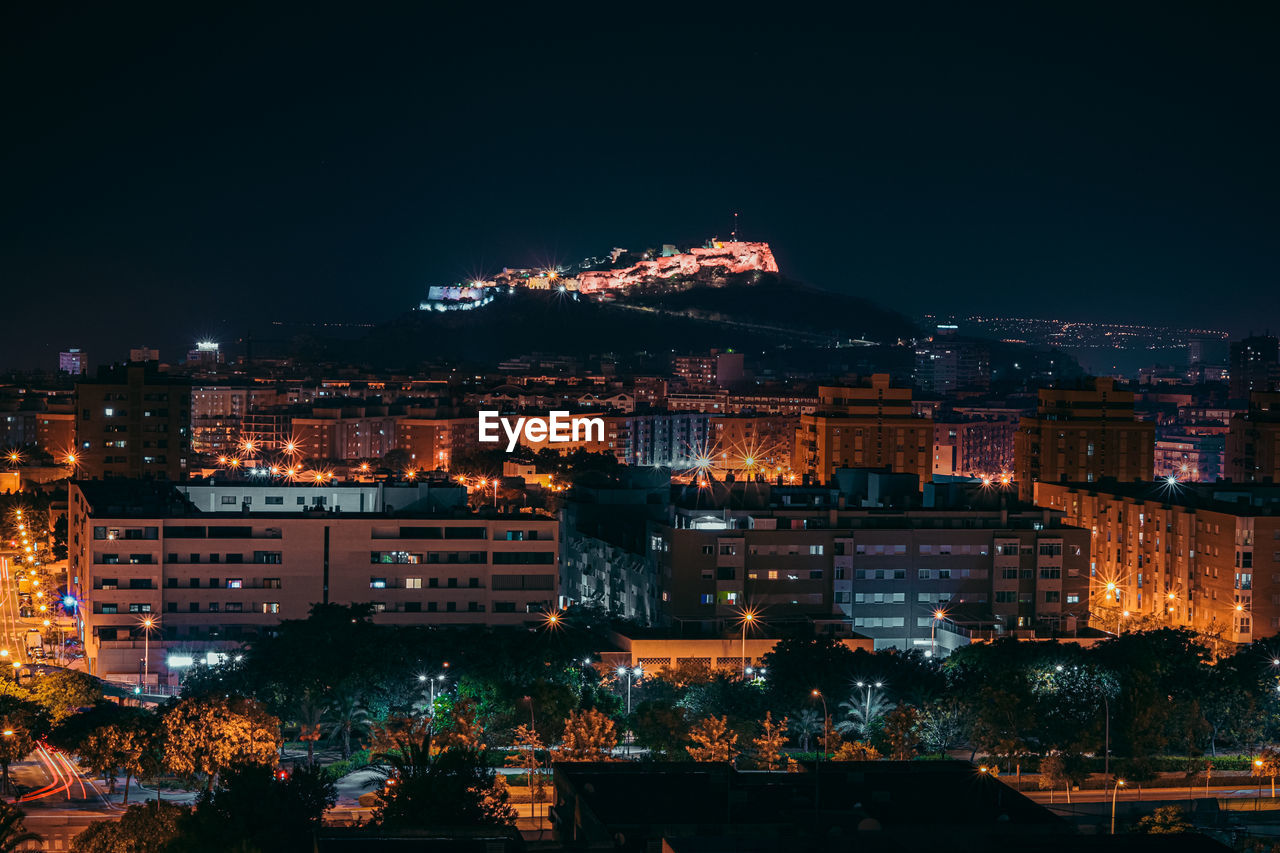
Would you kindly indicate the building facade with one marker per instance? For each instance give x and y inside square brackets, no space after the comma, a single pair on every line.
[212,580]
[74,361]
[1253,442]
[1083,434]
[904,578]
[133,421]
[865,427]
[1204,557]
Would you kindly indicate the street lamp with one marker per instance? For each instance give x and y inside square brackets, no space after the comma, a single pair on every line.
[826,717]
[147,623]
[1114,792]
[938,615]
[748,618]
[431,682]
[817,761]
[628,673]
[866,716]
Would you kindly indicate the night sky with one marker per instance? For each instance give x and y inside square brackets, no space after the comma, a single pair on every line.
[188,173]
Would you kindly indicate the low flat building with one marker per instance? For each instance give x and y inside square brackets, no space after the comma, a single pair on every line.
[212,579]
[907,578]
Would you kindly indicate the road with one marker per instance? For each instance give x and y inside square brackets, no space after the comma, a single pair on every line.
[1131,794]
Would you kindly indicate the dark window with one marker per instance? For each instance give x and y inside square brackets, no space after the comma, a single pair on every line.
[523,558]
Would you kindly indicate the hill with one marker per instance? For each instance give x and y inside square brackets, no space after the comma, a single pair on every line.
[766,313]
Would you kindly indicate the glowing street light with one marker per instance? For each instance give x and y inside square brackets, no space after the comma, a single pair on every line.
[629,673]
[146,623]
[938,615]
[747,617]
[1114,792]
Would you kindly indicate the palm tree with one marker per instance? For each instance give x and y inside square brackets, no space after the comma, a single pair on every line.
[348,718]
[806,723]
[862,714]
[13,833]
[311,714]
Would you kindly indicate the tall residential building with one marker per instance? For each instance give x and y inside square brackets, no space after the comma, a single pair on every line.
[715,370]
[74,361]
[754,445]
[133,421]
[864,427]
[1255,366]
[1200,556]
[144,353]
[346,432]
[206,354]
[1253,443]
[1193,458]
[214,579]
[1083,434]
[947,363]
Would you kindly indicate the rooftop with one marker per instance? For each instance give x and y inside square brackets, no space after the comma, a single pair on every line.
[1247,499]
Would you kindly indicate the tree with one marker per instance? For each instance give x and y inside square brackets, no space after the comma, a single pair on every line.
[588,736]
[863,712]
[527,744]
[1062,770]
[348,718]
[900,731]
[856,751]
[253,808]
[141,829]
[65,691]
[1165,820]
[941,726]
[769,744]
[311,716]
[455,787]
[1266,764]
[22,723]
[13,832]
[713,741]
[808,722]
[798,665]
[999,720]
[661,728]
[462,729]
[207,736]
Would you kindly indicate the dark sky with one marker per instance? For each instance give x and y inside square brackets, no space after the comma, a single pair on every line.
[188,172]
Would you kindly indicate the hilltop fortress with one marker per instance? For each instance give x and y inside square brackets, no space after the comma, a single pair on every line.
[725,257]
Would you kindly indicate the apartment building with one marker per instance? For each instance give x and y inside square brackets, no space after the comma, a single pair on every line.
[213,579]
[973,448]
[892,575]
[1083,434]
[1200,556]
[754,444]
[1253,442]
[133,421]
[715,370]
[872,426]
